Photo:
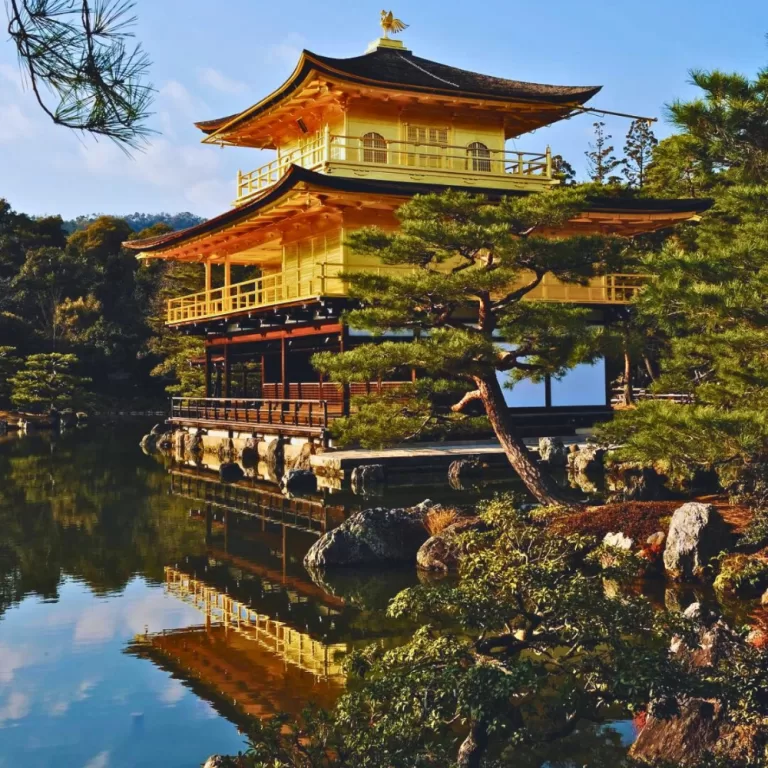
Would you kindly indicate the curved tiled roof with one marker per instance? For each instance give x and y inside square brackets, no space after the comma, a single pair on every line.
[297,174]
[400,69]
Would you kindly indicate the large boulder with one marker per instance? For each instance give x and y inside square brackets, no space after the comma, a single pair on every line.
[699,729]
[692,728]
[368,480]
[697,533]
[443,551]
[298,482]
[372,537]
[552,451]
[586,459]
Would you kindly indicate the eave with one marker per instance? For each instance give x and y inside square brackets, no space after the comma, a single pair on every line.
[548,108]
[301,191]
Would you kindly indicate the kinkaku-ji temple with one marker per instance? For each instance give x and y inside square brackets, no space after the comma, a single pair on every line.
[351,140]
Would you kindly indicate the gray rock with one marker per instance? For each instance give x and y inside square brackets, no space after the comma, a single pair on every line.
[443,551]
[230,472]
[656,540]
[618,541]
[632,482]
[368,480]
[699,728]
[465,472]
[553,452]
[297,482]
[586,459]
[697,533]
[274,459]
[371,537]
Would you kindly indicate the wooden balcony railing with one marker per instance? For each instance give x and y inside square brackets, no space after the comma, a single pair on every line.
[320,279]
[299,415]
[325,279]
[474,159]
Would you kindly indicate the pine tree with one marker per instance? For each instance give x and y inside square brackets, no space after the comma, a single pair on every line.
[638,152]
[462,268]
[601,162]
[9,365]
[708,299]
[562,170]
[48,381]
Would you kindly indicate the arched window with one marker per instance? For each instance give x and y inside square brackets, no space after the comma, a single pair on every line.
[478,157]
[374,148]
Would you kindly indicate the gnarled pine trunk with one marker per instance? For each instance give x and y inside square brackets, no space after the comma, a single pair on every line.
[538,483]
[472,748]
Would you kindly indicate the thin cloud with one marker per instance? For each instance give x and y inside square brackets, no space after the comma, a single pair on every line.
[212,78]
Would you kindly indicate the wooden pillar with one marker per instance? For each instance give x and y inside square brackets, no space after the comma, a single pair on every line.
[548,391]
[343,344]
[284,366]
[227,372]
[263,375]
[208,285]
[227,283]
[207,371]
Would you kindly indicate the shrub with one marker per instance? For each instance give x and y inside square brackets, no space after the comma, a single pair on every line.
[438,519]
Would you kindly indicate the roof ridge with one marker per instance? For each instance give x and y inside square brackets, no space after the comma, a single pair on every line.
[427,72]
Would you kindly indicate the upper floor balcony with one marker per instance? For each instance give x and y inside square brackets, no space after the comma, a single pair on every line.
[328,280]
[428,161]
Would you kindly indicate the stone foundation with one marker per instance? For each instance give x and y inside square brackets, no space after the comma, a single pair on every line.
[261,455]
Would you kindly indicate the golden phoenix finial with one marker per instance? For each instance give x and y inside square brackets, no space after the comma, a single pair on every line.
[390,24]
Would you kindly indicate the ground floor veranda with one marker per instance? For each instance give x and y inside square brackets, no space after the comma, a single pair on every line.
[265,381]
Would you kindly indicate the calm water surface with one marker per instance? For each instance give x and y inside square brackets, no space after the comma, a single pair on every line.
[148,612]
[107,656]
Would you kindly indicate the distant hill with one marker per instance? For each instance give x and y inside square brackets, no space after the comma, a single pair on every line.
[138,221]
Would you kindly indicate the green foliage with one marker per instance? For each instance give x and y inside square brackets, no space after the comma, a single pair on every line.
[457,252]
[9,365]
[87,295]
[601,162]
[677,169]
[527,645]
[48,381]
[638,152]
[707,304]
[686,438]
[78,52]
[743,574]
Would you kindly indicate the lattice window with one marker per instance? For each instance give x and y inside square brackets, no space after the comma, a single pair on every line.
[374,148]
[431,143]
[478,157]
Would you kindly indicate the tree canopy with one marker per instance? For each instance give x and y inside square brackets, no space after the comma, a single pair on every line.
[461,272]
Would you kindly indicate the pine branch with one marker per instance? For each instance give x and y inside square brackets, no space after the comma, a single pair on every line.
[77,51]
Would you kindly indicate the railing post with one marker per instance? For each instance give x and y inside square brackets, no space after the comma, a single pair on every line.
[520,163]
[327,143]
[549,163]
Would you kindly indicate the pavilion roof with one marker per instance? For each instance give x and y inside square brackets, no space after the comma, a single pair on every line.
[296,175]
[399,69]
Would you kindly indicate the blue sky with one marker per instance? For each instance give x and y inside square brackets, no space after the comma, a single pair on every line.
[211,59]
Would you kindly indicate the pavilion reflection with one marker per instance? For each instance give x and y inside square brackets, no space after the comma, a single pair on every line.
[271,638]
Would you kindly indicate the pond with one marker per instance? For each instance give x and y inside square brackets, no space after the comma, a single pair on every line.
[148,612]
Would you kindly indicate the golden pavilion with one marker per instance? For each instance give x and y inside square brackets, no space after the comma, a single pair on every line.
[350,140]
